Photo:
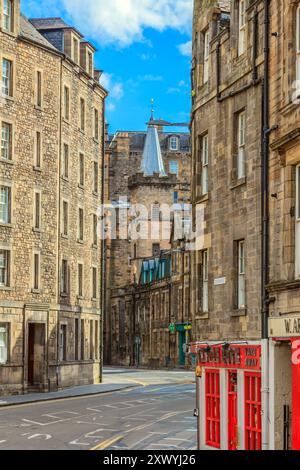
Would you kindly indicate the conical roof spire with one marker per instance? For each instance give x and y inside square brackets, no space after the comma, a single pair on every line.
[152,161]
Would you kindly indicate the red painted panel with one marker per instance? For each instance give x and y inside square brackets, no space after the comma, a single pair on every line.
[232,411]
[296,394]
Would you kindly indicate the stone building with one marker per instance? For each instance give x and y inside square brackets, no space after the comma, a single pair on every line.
[51,115]
[228,68]
[147,168]
[284,213]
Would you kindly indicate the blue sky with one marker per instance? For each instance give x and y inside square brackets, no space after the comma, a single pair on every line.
[143,48]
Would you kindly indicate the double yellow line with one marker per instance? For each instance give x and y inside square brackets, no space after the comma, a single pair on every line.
[108,443]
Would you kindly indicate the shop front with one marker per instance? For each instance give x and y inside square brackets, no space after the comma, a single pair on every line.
[229,395]
[284,379]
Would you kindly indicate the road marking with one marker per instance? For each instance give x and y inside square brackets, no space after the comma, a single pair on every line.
[108,443]
[2,442]
[46,437]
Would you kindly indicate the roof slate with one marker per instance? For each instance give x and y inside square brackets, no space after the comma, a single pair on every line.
[28,31]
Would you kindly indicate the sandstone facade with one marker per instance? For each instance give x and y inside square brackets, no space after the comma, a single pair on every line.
[50,336]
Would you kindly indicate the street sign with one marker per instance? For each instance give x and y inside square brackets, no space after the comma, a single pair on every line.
[187,327]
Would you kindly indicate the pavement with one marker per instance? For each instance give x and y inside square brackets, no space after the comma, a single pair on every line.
[115,379]
[154,411]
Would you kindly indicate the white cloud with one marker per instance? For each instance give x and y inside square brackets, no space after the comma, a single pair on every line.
[115,89]
[150,78]
[186,48]
[123,21]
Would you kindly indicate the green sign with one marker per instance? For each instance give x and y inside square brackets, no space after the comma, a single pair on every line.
[187,327]
[172,327]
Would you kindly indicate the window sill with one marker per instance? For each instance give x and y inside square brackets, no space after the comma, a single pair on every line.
[38,108]
[8,98]
[93,299]
[35,291]
[202,316]
[7,161]
[63,295]
[65,178]
[81,242]
[64,237]
[3,225]
[239,182]
[240,312]
[66,121]
[82,131]
[6,289]
[81,187]
[95,194]
[94,246]
[201,199]
[96,141]
[38,169]
[79,297]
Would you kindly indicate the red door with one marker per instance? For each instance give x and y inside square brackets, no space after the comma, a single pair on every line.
[252,411]
[232,411]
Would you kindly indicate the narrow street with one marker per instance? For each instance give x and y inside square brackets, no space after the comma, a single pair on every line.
[155,413]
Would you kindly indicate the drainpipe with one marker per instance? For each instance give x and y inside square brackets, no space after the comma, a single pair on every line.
[103,255]
[265,230]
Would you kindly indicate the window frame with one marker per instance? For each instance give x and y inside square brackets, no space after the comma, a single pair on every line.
[64,287]
[6,327]
[81,170]
[37,210]
[6,145]
[80,280]
[6,268]
[204,164]
[205,281]
[241,274]
[174,139]
[242,27]
[8,78]
[174,163]
[96,124]
[80,224]
[253,404]
[36,272]
[241,144]
[206,54]
[297,224]
[66,103]
[82,114]
[65,218]
[94,282]
[9,16]
[39,88]
[7,206]
[65,161]
[62,342]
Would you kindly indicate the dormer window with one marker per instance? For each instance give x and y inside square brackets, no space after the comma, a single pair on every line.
[75,50]
[242,27]
[7,15]
[90,63]
[174,144]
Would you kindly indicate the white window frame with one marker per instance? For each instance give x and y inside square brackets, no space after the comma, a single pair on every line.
[174,167]
[205,260]
[206,56]
[6,140]
[174,144]
[241,277]
[4,343]
[204,164]
[241,138]
[5,205]
[7,22]
[5,268]
[7,78]
[242,27]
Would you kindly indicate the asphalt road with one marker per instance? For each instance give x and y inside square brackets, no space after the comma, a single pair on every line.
[151,417]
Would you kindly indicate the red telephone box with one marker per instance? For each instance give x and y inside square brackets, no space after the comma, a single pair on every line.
[296,395]
[232,411]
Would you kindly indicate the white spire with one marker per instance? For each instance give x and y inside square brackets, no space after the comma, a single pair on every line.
[152,161]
